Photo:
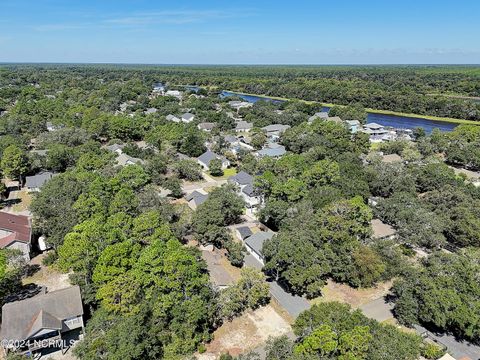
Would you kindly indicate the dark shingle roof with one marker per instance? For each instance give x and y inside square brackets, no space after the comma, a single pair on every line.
[208,156]
[242,178]
[244,232]
[21,319]
[37,181]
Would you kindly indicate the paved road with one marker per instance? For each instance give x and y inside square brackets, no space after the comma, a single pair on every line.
[294,305]
[380,310]
[457,349]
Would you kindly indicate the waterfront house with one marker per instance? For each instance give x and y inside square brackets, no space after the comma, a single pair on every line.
[16,233]
[237,105]
[353,125]
[46,316]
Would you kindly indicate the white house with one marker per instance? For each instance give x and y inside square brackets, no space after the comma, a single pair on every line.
[173,118]
[254,244]
[246,190]
[175,93]
[188,117]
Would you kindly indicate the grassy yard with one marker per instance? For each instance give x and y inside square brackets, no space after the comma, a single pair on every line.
[226,174]
[354,297]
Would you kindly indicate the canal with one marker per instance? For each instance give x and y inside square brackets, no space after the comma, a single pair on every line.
[395,121]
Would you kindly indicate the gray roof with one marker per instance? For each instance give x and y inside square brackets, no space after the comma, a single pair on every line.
[22,319]
[255,242]
[374,126]
[188,116]
[171,117]
[115,147]
[273,152]
[208,156]
[244,232]
[352,122]
[230,138]
[206,126]
[244,125]
[37,181]
[276,127]
[151,111]
[249,190]
[124,159]
[197,197]
[242,178]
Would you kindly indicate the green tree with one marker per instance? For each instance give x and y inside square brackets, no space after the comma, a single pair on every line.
[14,162]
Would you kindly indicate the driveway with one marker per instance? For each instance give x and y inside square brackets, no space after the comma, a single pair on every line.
[293,304]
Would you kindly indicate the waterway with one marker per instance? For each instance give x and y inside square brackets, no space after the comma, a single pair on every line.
[395,121]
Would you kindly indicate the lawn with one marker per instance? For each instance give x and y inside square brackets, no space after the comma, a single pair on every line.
[226,174]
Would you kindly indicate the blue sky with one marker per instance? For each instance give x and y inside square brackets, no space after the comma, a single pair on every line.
[241,32]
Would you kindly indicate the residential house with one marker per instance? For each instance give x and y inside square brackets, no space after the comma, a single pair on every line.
[16,233]
[219,276]
[254,244]
[246,190]
[124,160]
[272,150]
[51,127]
[150,111]
[243,126]
[188,117]
[173,118]
[318,115]
[237,105]
[353,125]
[195,199]
[47,316]
[243,232]
[206,157]
[381,230]
[175,93]
[206,126]
[35,182]
[274,131]
[116,148]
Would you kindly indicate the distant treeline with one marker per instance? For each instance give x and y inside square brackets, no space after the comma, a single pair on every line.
[406,89]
